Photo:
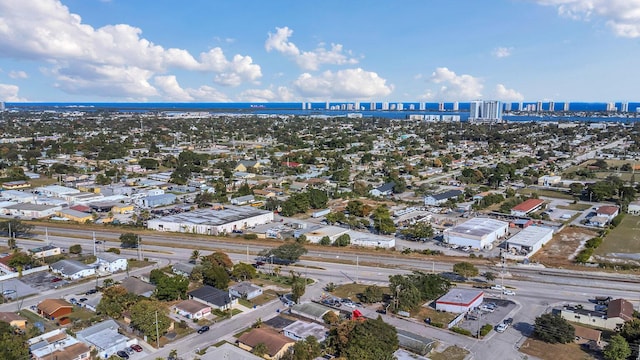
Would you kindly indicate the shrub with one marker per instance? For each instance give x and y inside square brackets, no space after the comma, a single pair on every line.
[114,250]
[250,236]
[593,243]
[437,324]
[461,331]
[485,329]
[584,255]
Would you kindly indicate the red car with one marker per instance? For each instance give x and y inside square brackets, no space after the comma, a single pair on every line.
[56,279]
[136,348]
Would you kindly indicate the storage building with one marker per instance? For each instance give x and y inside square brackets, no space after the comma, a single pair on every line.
[212,222]
[528,241]
[460,300]
[477,233]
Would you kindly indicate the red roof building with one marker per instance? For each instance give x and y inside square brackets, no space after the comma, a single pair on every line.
[526,207]
[608,210]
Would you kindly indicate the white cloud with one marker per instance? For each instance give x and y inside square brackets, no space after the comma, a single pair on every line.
[348,84]
[171,90]
[502,52]
[307,60]
[10,93]
[282,94]
[46,30]
[504,94]
[454,87]
[622,16]
[18,74]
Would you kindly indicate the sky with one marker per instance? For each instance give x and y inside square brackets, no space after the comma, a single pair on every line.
[329,50]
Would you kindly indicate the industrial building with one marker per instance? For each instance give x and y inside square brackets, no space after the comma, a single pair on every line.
[211,221]
[528,241]
[477,233]
[460,300]
[316,233]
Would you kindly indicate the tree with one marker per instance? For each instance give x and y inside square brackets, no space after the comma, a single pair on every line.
[617,349]
[418,231]
[215,276]
[325,241]
[490,276]
[372,294]
[331,318]
[289,252]
[342,240]
[465,269]
[243,271]
[307,349]
[129,241]
[553,329]
[75,249]
[298,286]
[260,349]
[204,198]
[115,300]
[317,199]
[382,220]
[365,340]
[195,256]
[13,346]
[171,288]
[219,258]
[143,318]
[20,260]
[17,227]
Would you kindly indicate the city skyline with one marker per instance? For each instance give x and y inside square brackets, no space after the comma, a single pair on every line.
[254,51]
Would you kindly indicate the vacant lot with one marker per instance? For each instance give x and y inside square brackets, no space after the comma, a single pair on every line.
[546,351]
[623,242]
[352,291]
[450,353]
[547,193]
[558,252]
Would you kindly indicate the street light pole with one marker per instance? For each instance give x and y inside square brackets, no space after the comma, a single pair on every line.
[357,267]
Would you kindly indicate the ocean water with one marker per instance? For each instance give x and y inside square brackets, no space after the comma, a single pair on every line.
[316,108]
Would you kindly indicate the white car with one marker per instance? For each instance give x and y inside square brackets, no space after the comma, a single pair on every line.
[497,287]
[508,292]
[501,327]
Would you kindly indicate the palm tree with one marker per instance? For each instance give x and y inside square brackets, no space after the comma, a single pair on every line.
[195,255]
[277,270]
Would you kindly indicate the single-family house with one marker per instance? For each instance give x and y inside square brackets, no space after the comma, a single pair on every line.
[385,189]
[192,309]
[634,208]
[245,290]
[104,338]
[441,198]
[312,311]
[111,262]
[218,299]
[55,309]
[136,286]
[72,269]
[276,343]
[299,330]
[608,211]
[14,320]
[228,351]
[183,269]
[246,165]
[57,344]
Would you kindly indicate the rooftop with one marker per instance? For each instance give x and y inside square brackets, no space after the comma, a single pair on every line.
[528,205]
[212,217]
[530,235]
[478,227]
[460,296]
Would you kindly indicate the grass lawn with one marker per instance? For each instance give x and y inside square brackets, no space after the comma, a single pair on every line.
[624,238]
[547,193]
[450,353]
[33,318]
[576,207]
[245,303]
[139,264]
[436,316]
[266,296]
[352,290]
[546,351]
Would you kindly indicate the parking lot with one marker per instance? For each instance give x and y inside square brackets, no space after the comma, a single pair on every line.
[14,288]
[500,309]
[43,281]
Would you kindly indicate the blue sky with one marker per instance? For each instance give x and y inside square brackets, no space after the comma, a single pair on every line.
[335,50]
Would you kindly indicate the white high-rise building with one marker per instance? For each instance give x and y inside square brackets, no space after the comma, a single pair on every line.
[520,106]
[507,106]
[552,106]
[326,105]
[2,106]
[385,106]
[456,106]
[440,106]
[423,106]
[611,107]
[357,106]
[400,107]
[624,107]
[412,107]
[485,111]
[566,106]
[538,106]
[372,106]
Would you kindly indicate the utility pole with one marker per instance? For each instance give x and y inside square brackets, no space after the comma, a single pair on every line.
[357,267]
[157,332]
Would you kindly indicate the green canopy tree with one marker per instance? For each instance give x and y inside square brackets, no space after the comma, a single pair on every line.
[465,269]
[243,271]
[13,346]
[115,300]
[143,318]
[617,348]
[372,339]
[298,286]
[129,240]
[289,251]
[171,288]
[372,294]
[216,276]
[307,349]
[219,258]
[553,329]
[382,220]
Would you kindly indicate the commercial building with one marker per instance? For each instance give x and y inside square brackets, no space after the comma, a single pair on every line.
[528,241]
[212,222]
[485,111]
[299,330]
[44,251]
[527,206]
[460,300]
[72,269]
[441,198]
[477,233]
[111,262]
[316,233]
[618,312]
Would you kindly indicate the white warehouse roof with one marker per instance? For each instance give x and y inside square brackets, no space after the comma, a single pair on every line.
[530,236]
[477,227]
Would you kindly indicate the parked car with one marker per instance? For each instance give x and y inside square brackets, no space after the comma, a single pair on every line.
[123,354]
[508,321]
[92,291]
[83,300]
[601,307]
[501,327]
[497,287]
[136,348]
[56,279]
[287,300]
[203,329]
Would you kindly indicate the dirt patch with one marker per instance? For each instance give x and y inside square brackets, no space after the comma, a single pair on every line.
[559,251]
[546,351]
[450,353]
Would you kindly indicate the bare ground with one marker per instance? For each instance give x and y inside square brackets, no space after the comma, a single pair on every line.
[560,250]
